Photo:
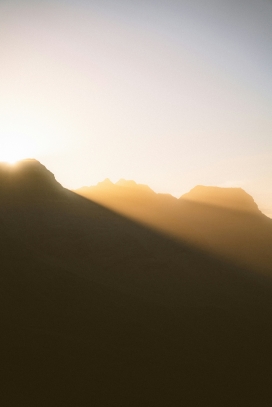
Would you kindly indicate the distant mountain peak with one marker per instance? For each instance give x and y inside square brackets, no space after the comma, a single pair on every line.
[105,184]
[126,183]
[132,184]
[230,198]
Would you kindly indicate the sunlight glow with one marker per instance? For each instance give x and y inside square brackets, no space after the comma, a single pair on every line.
[166,93]
[17,149]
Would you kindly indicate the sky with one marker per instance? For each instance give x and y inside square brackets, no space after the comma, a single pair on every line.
[169,93]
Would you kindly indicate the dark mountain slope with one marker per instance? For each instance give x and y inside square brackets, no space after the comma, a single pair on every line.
[98,310]
[225,222]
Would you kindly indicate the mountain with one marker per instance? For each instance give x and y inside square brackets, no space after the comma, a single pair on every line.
[235,199]
[224,222]
[98,309]
[30,178]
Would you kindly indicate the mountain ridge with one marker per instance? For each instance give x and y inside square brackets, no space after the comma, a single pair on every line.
[98,309]
[231,198]
[223,221]
[30,178]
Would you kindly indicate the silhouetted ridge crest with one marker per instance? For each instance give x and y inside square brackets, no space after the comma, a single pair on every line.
[120,187]
[105,184]
[28,179]
[230,198]
[132,184]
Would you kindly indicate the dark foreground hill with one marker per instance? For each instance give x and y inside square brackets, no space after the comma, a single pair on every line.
[99,310]
[225,222]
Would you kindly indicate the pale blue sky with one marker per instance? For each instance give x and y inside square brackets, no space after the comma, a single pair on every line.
[168,93]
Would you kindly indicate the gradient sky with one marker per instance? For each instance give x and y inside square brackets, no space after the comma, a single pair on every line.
[168,93]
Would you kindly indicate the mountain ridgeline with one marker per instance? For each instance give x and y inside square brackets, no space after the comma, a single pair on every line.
[29,178]
[225,222]
[124,299]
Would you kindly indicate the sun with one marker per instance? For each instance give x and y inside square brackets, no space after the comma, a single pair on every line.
[12,158]
[11,161]
[15,151]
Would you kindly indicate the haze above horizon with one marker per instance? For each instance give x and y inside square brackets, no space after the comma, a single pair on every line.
[171,94]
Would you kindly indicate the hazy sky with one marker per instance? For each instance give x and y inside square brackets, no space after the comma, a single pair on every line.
[168,93]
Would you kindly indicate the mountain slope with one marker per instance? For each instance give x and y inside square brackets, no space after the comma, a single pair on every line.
[99,310]
[225,222]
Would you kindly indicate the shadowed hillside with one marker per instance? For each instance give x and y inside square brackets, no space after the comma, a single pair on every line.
[225,222]
[97,309]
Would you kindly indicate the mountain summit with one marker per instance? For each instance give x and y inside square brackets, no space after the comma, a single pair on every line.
[29,179]
[230,198]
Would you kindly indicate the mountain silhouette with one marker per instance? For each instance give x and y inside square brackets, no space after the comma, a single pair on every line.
[28,178]
[98,309]
[225,222]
